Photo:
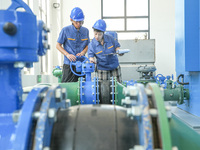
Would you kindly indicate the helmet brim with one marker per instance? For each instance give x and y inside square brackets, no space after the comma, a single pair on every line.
[98,29]
[82,19]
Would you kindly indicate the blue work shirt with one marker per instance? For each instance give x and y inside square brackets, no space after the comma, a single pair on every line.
[104,62]
[73,40]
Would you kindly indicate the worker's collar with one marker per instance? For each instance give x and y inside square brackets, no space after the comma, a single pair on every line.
[105,40]
[74,29]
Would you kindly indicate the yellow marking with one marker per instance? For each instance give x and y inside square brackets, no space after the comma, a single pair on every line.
[99,52]
[110,47]
[84,39]
[71,39]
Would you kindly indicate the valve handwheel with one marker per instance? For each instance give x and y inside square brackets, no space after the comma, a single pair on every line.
[79,64]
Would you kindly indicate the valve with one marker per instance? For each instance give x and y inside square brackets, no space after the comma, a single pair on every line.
[82,67]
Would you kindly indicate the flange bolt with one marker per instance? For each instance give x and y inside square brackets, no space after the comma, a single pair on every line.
[10,28]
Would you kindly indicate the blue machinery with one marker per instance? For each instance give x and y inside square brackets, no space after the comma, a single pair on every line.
[88,88]
[47,121]
[22,40]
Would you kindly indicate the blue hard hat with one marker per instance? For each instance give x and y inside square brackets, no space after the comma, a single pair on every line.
[100,25]
[77,14]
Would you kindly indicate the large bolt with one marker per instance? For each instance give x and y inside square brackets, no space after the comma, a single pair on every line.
[133,91]
[46,148]
[128,112]
[52,114]
[19,65]
[126,102]
[68,103]
[58,95]
[153,112]
[136,110]
[64,93]
[10,28]
[36,115]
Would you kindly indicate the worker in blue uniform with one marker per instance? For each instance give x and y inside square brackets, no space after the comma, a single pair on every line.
[103,47]
[73,41]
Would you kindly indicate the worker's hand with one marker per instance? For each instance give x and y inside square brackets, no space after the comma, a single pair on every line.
[117,51]
[80,54]
[92,60]
[71,57]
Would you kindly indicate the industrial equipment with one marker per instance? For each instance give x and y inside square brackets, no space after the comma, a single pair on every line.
[57,72]
[88,94]
[65,116]
[147,74]
[142,54]
[187,66]
[24,124]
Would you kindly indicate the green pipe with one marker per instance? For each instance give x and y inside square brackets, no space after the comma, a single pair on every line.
[119,92]
[57,73]
[72,91]
[178,93]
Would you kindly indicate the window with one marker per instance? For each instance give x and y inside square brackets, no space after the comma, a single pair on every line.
[129,18]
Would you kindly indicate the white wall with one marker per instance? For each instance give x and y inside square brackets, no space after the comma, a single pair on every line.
[163,31]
